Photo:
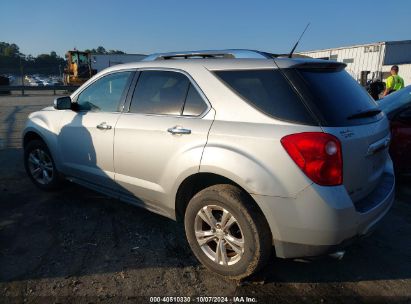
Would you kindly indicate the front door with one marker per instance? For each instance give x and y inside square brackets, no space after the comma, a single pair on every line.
[87,132]
[162,135]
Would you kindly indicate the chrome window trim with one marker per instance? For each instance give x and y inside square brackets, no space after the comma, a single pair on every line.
[192,82]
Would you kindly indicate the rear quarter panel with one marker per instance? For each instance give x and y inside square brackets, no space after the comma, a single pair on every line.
[251,155]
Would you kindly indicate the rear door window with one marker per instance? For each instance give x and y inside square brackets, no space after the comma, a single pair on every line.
[160,92]
[166,93]
[194,105]
[270,92]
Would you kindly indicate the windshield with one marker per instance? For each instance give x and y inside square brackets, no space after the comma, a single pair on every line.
[83,58]
[80,58]
[74,58]
[395,100]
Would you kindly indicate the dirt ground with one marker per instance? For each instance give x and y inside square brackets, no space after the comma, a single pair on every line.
[78,246]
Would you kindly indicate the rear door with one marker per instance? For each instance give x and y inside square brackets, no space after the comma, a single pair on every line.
[161,137]
[365,154]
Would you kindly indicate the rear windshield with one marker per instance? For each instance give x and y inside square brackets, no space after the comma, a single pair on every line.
[334,96]
[306,96]
[396,100]
[268,91]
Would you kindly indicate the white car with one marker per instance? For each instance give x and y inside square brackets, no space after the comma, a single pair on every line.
[251,154]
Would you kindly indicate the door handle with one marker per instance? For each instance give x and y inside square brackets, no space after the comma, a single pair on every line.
[178,130]
[103,126]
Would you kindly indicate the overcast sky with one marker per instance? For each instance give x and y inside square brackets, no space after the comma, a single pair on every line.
[158,26]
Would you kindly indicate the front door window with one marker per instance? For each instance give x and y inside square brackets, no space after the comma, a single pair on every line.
[105,94]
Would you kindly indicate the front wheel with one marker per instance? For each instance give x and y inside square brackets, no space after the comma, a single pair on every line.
[40,166]
[227,232]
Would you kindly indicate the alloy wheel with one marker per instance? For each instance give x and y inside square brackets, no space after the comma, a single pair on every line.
[40,166]
[219,235]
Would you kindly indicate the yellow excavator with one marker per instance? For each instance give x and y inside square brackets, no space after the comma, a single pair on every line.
[78,69]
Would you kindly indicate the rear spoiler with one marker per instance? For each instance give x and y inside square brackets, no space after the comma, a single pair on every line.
[320,65]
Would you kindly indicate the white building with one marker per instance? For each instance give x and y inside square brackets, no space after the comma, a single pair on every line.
[101,61]
[377,58]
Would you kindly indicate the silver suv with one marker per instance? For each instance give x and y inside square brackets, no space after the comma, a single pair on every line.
[252,152]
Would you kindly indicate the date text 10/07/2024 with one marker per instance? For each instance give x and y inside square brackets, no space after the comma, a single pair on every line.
[203,300]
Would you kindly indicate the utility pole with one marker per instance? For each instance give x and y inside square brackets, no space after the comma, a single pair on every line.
[22,76]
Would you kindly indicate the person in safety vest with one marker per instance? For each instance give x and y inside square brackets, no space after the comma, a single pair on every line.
[394,82]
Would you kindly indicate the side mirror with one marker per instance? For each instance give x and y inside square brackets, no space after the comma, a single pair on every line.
[62,103]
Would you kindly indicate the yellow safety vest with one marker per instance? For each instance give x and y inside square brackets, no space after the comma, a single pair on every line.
[394,83]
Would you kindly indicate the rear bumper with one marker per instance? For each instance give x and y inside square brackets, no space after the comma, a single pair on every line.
[322,220]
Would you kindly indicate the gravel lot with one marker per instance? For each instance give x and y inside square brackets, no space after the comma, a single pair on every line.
[76,245]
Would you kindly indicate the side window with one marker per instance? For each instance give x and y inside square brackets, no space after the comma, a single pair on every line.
[160,92]
[268,91]
[104,94]
[194,105]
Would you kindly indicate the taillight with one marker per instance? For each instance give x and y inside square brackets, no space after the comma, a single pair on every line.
[318,155]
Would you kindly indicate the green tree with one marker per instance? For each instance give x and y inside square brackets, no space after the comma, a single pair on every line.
[11,59]
[9,50]
[101,50]
[115,52]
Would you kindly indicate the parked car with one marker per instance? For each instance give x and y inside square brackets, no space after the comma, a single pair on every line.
[4,81]
[55,82]
[34,83]
[249,154]
[46,83]
[397,106]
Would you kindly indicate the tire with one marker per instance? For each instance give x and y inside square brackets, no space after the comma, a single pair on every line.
[40,167]
[245,237]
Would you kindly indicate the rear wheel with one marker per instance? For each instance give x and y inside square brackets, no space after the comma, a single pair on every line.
[227,232]
[40,166]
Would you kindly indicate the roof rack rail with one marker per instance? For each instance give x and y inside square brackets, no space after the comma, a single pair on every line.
[234,53]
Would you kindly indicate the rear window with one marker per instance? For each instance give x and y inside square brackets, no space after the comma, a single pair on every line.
[333,95]
[268,91]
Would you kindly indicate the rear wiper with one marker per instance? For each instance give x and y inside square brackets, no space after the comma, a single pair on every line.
[366,113]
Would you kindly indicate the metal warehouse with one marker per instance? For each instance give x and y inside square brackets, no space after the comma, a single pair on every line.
[371,61]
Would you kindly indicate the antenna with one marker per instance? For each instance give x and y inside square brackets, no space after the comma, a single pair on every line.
[295,46]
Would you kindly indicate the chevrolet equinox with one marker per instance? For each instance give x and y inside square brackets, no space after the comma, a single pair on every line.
[253,153]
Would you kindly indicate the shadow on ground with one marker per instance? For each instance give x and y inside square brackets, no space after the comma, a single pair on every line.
[77,233]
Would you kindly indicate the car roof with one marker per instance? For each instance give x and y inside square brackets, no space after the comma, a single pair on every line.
[223,64]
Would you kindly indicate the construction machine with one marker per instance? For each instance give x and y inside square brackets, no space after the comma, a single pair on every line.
[78,69]
[81,66]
